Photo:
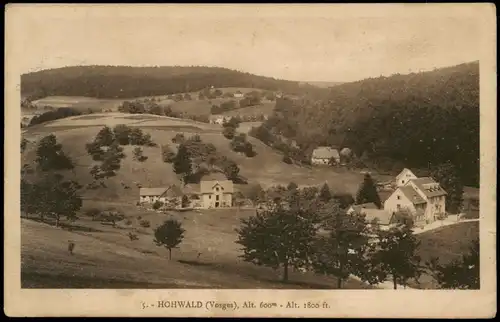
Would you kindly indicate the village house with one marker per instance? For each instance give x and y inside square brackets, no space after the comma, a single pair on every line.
[168,195]
[238,94]
[380,217]
[216,192]
[325,155]
[219,119]
[423,197]
[360,207]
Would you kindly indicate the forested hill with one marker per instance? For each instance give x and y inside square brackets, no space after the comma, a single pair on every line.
[128,82]
[414,119]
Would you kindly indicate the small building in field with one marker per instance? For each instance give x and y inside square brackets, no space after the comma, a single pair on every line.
[219,119]
[167,195]
[238,94]
[360,207]
[325,155]
[423,197]
[216,191]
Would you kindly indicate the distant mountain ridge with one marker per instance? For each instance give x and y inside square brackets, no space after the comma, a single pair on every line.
[129,82]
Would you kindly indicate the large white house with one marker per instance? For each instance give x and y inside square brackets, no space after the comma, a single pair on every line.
[423,197]
[325,155]
[216,192]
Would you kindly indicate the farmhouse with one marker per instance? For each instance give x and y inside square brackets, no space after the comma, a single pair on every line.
[423,197]
[384,219]
[325,155]
[171,194]
[360,207]
[219,119]
[216,192]
[238,94]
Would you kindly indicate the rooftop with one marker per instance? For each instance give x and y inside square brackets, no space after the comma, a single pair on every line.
[325,152]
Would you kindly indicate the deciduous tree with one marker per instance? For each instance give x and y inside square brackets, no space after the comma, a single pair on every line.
[169,235]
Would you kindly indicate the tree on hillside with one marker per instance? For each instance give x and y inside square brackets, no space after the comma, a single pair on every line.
[138,154]
[182,163]
[169,235]
[292,186]
[112,160]
[233,122]
[231,170]
[395,257]
[368,192]
[50,155]
[24,143]
[105,137]
[229,132]
[122,134]
[343,251]
[447,176]
[277,238]
[256,194]
[155,109]
[53,197]
[343,199]
[459,274]
[325,194]
[178,138]
[168,155]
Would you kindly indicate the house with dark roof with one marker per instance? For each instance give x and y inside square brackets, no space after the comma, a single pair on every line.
[171,194]
[325,155]
[423,197]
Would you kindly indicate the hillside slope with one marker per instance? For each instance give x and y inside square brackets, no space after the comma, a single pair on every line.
[415,119]
[129,82]
[266,168]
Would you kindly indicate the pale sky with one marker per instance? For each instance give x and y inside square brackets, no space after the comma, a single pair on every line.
[305,43]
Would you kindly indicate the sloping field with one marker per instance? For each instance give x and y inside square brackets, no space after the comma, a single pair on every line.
[265,168]
[77,102]
[447,244]
[257,110]
[106,258]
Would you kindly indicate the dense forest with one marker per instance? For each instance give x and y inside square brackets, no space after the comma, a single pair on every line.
[130,82]
[416,120]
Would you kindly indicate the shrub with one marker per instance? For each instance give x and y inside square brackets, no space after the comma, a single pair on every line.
[145,223]
[132,236]
[157,204]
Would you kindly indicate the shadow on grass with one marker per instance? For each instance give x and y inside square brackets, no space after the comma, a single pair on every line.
[65,226]
[194,263]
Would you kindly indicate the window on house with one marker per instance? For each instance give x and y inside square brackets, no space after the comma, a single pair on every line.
[209,196]
[402,181]
[398,206]
[399,197]
[217,189]
[217,197]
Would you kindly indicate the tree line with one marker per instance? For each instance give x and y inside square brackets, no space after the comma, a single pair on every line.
[416,120]
[316,234]
[128,82]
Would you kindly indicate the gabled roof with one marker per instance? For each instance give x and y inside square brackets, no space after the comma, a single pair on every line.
[412,195]
[429,187]
[383,217]
[369,205]
[152,191]
[207,186]
[405,170]
[325,152]
[171,191]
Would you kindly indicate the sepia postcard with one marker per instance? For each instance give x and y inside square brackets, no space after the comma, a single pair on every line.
[250,160]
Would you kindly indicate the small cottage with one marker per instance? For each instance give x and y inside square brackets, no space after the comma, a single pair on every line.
[325,155]
[384,219]
[219,119]
[171,194]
